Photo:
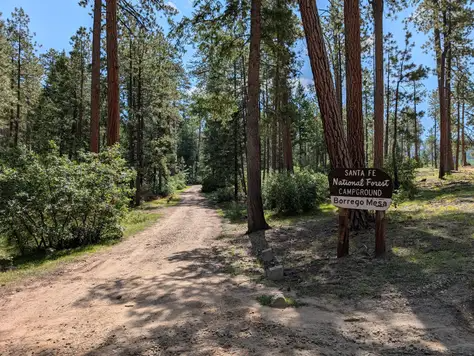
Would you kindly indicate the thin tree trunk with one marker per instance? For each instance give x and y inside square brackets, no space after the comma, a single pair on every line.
[379,85]
[139,131]
[12,105]
[417,156]
[435,144]
[441,70]
[458,129]
[256,220]
[276,116]
[236,143]
[387,113]
[450,165]
[396,182]
[286,120]
[463,143]
[131,105]
[18,92]
[113,109]
[95,79]
[81,100]
[196,169]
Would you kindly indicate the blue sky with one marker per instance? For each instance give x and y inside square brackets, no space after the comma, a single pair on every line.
[55,21]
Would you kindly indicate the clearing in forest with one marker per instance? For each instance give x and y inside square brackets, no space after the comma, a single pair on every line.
[188,286]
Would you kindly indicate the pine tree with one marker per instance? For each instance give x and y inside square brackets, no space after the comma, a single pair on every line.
[256,220]
[113,109]
[25,74]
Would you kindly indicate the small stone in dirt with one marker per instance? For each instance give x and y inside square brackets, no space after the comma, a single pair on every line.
[279,301]
[267,255]
[275,273]
[354,320]
[128,305]
[118,297]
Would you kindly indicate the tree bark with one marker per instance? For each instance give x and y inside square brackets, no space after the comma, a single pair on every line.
[435,144]
[417,156]
[458,104]
[441,70]
[355,121]
[286,120]
[377,6]
[256,220]
[450,165]
[18,92]
[331,117]
[139,131]
[113,108]
[463,142]
[387,113]
[95,79]
[396,183]
[332,121]
[81,101]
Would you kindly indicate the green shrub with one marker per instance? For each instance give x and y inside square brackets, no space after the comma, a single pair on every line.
[222,195]
[294,193]
[211,184]
[49,201]
[178,181]
[406,177]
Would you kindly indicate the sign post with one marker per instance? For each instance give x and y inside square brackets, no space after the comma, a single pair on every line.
[365,189]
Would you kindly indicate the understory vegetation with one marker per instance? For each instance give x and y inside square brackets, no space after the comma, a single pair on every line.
[429,251]
[51,202]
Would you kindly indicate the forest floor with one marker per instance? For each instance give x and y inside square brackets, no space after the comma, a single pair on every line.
[188,286]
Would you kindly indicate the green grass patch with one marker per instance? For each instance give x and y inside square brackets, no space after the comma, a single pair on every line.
[138,220]
[265,300]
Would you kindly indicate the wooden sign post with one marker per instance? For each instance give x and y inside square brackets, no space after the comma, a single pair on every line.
[365,189]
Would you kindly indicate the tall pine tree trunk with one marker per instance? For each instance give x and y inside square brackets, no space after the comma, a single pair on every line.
[139,131]
[435,144]
[396,183]
[355,118]
[379,86]
[18,98]
[355,121]
[450,165]
[463,142]
[113,109]
[95,78]
[12,104]
[441,71]
[387,112]
[458,121]
[286,120]
[256,220]
[81,101]
[331,117]
[415,123]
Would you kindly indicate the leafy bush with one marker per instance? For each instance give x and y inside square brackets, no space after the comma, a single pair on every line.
[293,193]
[406,178]
[222,195]
[178,181]
[49,201]
[211,184]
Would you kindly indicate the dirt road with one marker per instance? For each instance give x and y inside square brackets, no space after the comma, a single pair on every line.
[167,291]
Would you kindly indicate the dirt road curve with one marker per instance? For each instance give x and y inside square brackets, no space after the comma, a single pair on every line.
[164,292]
